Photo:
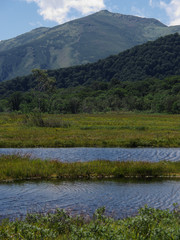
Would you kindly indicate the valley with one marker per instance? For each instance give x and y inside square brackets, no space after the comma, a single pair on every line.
[90,130]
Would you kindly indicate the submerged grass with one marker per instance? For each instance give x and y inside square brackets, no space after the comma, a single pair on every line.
[91,130]
[147,225]
[15,167]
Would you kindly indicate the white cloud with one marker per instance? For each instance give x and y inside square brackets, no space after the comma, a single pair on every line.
[59,10]
[172,10]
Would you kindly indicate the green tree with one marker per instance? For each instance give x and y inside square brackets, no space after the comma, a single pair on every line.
[15,101]
[44,84]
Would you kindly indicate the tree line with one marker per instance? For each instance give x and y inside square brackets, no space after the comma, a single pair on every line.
[151,95]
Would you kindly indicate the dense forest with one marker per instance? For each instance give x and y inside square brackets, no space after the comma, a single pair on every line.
[144,78]
[152,95]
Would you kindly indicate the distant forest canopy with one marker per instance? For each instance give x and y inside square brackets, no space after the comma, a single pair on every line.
[144,78]
[151,95]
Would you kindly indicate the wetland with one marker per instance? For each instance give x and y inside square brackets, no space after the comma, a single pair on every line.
[84,162]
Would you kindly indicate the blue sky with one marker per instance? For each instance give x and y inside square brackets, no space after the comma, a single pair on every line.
[20,16]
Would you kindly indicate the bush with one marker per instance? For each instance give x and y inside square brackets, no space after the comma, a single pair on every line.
[56,123]
[149,224]
[36,119]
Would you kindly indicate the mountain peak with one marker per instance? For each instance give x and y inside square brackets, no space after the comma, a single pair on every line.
[105,11]
[130,18]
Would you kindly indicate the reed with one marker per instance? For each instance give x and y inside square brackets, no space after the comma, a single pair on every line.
[16,167]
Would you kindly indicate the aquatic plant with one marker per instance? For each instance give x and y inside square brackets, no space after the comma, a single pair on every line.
[147,225]
[16,167]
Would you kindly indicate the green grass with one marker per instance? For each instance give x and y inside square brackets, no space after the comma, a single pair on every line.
[149,224]
[92,130]
[15,167]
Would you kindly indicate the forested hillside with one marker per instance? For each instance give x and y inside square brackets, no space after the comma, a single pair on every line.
[142,78]
[160,58]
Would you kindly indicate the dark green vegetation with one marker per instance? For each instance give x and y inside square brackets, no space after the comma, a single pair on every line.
[77,42]
[152,96]
[147,225]
[89,130]
[137,79]
[15,167]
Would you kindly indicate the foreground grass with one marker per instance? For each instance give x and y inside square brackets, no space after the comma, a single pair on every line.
[150,223]
[92,130]
[15,167]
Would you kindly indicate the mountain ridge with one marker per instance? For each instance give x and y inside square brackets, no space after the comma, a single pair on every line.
[102,12]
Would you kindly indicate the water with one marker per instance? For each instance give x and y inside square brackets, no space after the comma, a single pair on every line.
[121,198]
[89,154]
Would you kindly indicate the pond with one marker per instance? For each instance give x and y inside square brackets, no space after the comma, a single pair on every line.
[120,197]
[89,154]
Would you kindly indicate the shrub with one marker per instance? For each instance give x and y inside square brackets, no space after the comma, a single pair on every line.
[36,119]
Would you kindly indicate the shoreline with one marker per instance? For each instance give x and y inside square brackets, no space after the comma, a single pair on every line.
[90,178]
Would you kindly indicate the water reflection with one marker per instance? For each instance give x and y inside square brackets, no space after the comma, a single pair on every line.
[121,197]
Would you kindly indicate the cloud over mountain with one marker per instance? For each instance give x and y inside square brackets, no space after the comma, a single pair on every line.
[58,10]
[172,10]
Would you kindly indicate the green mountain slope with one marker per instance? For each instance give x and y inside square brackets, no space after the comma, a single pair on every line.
[77,42]
[159,58]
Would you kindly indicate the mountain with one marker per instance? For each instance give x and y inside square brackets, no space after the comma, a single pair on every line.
[143,78]
[81,41]
[154,59]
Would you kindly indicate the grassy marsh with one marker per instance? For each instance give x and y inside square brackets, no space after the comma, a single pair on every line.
[92,130]
[15,167]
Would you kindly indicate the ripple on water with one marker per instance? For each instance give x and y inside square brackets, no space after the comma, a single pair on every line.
[120,198]
[89,154]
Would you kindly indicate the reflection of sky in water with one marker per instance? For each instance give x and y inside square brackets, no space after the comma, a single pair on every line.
[88,154]
[121,198]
